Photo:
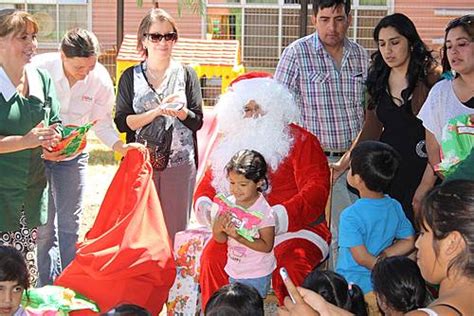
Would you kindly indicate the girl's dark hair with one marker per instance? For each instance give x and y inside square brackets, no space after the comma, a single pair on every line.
[79,43]
[448,208]
[13,266]
[235,299]
[398,281]
[250,164]
[334,288]
[127,310]
[420,65]
[467,24]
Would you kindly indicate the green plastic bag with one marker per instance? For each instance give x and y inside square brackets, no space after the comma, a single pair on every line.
[55,300]
[457,142]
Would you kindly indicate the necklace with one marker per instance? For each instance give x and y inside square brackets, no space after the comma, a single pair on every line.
[155,77]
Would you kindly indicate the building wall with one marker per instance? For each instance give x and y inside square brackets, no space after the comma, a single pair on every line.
[429,23]
[189,24]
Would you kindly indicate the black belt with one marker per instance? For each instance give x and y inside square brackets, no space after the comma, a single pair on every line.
[334,153]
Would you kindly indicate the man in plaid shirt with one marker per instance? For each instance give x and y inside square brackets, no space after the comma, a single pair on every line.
[326,72]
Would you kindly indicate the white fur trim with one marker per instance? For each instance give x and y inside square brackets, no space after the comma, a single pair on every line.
[307,235]
[201,208]
[282,219]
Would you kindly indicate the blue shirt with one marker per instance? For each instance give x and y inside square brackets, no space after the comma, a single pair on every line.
[374,223]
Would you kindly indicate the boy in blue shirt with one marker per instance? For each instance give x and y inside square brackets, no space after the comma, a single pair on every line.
[375,226]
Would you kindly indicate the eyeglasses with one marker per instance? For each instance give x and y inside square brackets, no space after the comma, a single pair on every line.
[463,20]
[157,37]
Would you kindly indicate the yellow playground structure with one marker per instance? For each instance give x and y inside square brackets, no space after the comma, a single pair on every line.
[209,58]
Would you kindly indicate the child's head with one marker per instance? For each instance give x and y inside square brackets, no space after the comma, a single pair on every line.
[127,310]
[235,299]
[14,278]
[247,173]
[375,163]
[251,165]
[334,288]
[398,285]
[446,241]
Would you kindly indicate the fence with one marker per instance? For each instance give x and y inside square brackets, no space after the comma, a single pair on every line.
[263,27]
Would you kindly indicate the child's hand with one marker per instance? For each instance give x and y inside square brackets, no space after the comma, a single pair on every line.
[220,223]
[230,229]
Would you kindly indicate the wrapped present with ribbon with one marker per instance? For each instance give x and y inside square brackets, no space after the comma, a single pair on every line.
[245,221]
[74,139]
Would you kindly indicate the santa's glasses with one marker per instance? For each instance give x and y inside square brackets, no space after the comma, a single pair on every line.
[157,37]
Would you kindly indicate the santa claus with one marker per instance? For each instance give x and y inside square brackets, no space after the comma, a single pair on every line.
[258,113]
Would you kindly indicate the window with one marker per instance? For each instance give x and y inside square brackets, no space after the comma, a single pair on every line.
[54,17]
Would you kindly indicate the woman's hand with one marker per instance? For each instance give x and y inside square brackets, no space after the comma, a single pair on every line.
[122,148]
[337,168]
[295,305]
[181,113]
[46,137]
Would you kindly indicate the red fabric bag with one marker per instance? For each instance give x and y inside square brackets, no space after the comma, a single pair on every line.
[126,256]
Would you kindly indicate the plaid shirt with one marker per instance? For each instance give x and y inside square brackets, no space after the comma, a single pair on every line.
[331,101]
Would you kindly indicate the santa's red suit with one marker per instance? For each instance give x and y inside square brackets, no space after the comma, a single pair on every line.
[299,188]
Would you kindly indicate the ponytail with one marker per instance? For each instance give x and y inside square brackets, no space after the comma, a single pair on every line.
[356,296]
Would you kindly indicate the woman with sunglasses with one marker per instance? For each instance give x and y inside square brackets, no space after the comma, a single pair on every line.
[26,94]
[400,76]
[161,88]
[453,97]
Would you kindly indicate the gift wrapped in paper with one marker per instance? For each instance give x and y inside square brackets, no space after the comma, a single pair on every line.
[245,221]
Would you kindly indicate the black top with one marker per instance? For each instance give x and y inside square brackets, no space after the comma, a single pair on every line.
[124,104]
[404,132]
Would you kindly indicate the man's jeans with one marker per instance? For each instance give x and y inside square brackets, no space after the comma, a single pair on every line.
[57,239]
[341,198]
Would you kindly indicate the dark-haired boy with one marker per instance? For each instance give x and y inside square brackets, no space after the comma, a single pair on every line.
[375,225]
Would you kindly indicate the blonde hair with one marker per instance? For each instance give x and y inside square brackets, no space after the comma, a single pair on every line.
[14,22]
[151,17]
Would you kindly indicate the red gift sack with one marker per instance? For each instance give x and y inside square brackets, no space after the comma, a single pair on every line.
[126,256]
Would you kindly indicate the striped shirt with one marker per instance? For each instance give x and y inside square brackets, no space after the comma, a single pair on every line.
[331,100]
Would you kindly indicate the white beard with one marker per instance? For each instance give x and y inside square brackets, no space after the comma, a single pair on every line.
[265,134]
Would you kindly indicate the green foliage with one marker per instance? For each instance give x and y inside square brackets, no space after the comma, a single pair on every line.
[195,6]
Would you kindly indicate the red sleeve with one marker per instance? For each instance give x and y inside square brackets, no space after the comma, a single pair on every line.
[205,188]
[311,172]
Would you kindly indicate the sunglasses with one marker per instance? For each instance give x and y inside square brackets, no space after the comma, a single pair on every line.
[157,37]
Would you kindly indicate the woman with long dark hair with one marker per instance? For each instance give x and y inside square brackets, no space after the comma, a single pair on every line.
[399,79]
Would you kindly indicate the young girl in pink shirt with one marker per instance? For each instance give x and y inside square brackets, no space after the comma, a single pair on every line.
[246,223]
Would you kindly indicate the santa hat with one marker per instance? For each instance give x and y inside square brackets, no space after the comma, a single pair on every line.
[251,75]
